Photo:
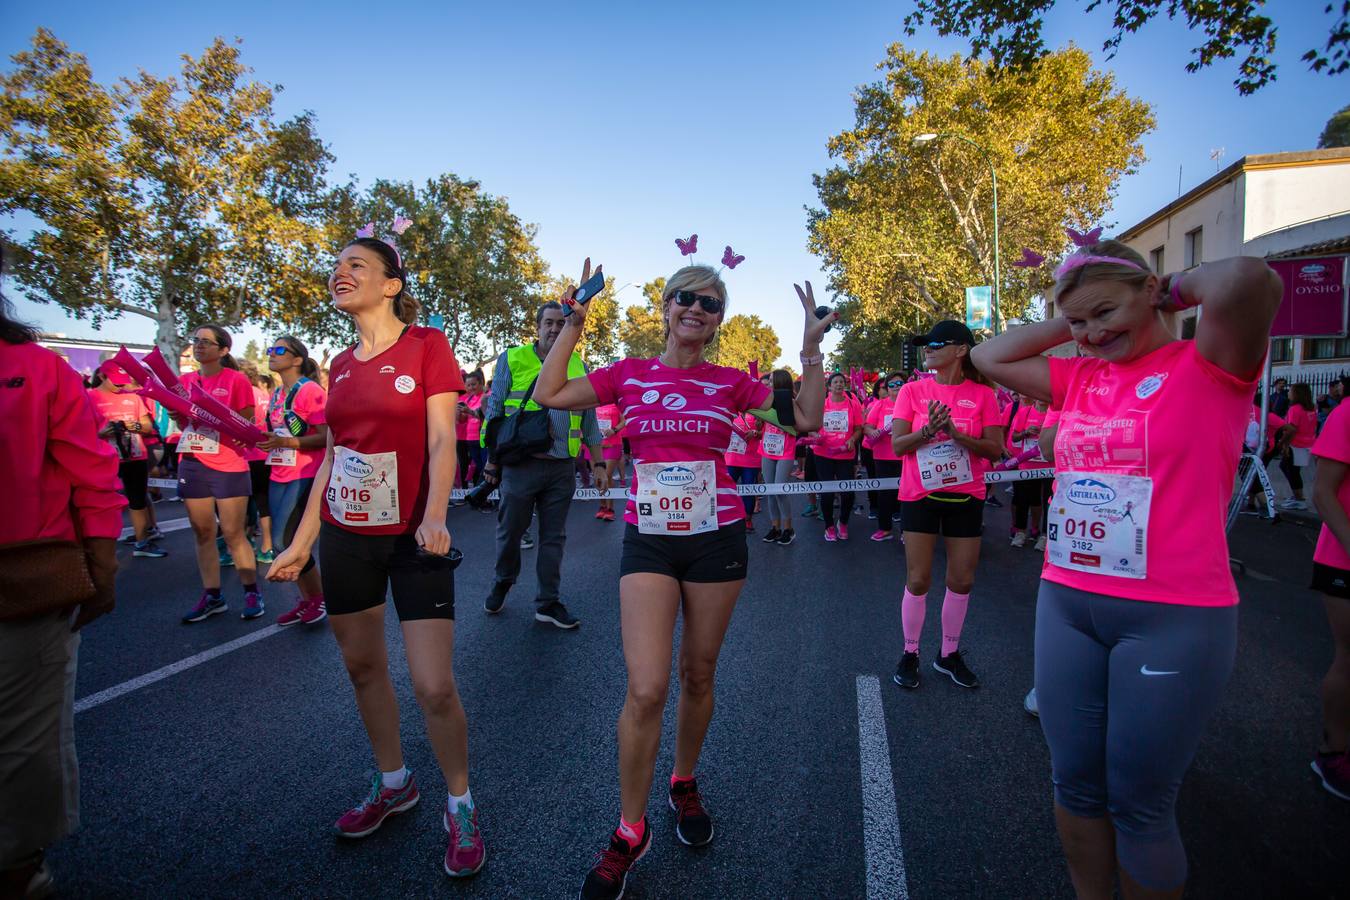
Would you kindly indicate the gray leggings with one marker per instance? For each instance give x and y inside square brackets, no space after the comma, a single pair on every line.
[1125,688]
[777,471]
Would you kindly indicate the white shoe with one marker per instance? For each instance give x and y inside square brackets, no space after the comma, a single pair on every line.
[1019,539]
[1029,704]
[1040,544]
[1291,503]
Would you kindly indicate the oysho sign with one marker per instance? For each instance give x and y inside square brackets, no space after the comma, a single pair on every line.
[1314,302]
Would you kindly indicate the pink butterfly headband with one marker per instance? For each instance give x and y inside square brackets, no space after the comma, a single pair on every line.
[688,247]
[1031,259]
[400,225]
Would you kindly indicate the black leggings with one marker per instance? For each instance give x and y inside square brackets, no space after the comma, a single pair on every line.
[1292,472]
[1028,494]
[834,470]
[887,498]
[869,465]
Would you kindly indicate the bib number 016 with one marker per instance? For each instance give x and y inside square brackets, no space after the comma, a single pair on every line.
[676,504]
[360,495]
[1082,528]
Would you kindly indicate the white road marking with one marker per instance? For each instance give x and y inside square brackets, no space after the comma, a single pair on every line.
[166,527]
[881,822]
[182,665]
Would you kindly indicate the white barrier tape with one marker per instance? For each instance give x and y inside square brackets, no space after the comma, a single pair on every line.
[162,482]
[801,487]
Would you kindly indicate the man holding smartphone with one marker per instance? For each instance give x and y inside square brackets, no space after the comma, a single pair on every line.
[542,483]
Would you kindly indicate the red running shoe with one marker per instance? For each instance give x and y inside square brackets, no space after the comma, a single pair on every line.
[380,804]
[315,611]
[466,854]
[294,616]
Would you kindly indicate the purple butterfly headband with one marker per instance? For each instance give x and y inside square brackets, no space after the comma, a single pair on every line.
[400,225]
[688,247]
[1031,259]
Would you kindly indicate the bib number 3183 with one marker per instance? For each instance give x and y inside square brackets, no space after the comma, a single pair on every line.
[677,498]
[363,488]
[1098,523]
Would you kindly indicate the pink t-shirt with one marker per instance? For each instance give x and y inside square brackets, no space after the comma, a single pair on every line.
[260,398]
[1027,417]
[681,415]
[473,426]
[774,437]
[743,451]
[1334,443]
[879,416]
[309,405]
[607,417]
[1178,419]
[231,387]
[974,408]
[1305,426]
[841,418]
[124,407]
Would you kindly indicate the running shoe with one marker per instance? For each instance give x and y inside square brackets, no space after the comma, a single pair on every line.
[831,535]
[315,611]
[1019,540]
[750,526]
[842,531]
[693,825]
[556,614]
[1040,544]
[809,511]
[600,514]
[609,875]
[226,560]
[786,536]
[293,616]
[994,502]
[880,535]
[147,549]
[465,854]
[380,804]
[266,556]
[496,599]
[1291,503]
[771,536]
[907,671]
[1029,704]
[871,514]
[1334,770]
[526,541]
[131,538]
[154,533]
[954,667]
[253,605]
[207,606]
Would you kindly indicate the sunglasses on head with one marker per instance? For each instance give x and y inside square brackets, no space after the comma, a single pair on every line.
[937,345]
[711,305]
[279,351]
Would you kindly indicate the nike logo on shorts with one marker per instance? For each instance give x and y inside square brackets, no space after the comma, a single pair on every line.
[1145,670]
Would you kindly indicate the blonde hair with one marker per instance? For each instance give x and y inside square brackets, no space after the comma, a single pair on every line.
[1109,271]
[694,278]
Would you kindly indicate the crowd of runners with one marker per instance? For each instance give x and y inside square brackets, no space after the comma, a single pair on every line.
[1137,436]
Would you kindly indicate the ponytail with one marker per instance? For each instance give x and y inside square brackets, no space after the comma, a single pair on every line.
[229,362]
[309,369]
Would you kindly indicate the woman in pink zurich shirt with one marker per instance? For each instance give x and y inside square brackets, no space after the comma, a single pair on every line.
[1136,620]
[885,462]
[1331,576]
[609,419]
[1302,420]
[684,548]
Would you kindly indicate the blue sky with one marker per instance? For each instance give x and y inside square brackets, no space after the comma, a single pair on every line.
[618,127]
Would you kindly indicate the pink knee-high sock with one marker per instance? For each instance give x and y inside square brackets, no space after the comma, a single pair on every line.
[953,617]
[912,608]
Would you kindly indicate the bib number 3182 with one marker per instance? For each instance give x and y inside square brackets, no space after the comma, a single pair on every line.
[1098,523]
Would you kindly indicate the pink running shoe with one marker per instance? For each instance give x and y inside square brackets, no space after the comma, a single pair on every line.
[842,531]
[880,535]
[831,535]
[315,611]
[380,804]
[466,854]
[293,616]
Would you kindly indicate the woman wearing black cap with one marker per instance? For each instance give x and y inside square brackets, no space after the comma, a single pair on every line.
[948,431]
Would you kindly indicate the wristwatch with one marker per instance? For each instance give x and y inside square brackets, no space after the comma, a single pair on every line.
[812,360]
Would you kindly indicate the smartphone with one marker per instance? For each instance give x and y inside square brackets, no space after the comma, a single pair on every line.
[595,285]
[822,312]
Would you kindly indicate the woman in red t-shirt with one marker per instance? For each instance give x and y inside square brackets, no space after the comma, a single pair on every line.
[386,479]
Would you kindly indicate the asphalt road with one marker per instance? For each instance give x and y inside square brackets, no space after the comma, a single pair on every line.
[223,780]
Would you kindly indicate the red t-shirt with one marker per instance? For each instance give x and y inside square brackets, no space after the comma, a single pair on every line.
[231,387]
[377,414]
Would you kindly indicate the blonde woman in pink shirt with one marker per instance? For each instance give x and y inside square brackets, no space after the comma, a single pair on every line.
[1136,620]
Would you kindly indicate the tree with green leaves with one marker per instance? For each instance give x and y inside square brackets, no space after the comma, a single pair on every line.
[179,199]
[1337,130]
[743,338]
[643,329]
[905,227]
[1010,31]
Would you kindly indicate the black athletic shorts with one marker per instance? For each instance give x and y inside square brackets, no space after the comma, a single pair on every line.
[708,558]
[1331,581]
[135,474]
[950,515]
[359,569]
[260,477]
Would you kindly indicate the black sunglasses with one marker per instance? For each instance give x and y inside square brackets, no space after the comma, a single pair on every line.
[711,305]
[938,345]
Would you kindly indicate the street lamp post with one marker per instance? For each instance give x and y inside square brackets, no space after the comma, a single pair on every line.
[993,175]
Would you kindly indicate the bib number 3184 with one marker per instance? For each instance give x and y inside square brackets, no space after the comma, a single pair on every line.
[1098,523]
[677,498]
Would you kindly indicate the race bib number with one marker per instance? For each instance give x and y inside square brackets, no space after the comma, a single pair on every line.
[281,456]
[836,421]
[1033,443]
[677,498]
[363,488]
[943,465]
[1098,523]
[200,440]
[738,444]
[604,425]
[773,443]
